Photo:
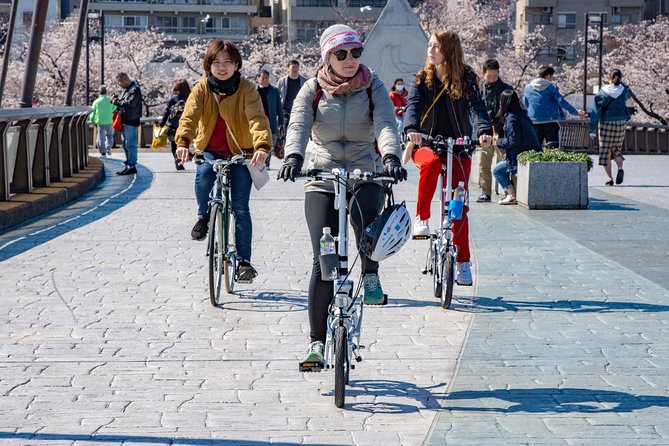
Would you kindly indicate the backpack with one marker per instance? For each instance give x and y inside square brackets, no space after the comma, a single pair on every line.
[174,115]
[317,99]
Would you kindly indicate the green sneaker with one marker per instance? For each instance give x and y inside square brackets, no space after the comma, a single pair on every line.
[313,361]
[373,291]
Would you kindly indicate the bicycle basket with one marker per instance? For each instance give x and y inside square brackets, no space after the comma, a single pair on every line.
[387,233]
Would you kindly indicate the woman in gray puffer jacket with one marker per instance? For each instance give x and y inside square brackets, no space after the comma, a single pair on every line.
[343,110]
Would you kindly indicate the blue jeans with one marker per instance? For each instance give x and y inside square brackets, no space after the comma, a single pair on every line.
[240,193]
[501,172]
[130,144]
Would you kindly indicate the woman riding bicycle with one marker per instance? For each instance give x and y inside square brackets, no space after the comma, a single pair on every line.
[224,114]
[343,110]
[446,97]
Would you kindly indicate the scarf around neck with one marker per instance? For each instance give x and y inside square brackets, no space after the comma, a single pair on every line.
[334,84]
[227,87]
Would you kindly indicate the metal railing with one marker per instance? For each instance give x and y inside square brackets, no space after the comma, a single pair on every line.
[40,146]
[640,137]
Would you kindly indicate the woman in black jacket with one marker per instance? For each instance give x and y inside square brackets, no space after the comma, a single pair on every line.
[520,136]
[446,101]
[172,114]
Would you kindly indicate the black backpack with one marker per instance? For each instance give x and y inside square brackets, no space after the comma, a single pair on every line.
[174,115]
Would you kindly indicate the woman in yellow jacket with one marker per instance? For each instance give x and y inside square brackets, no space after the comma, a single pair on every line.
[226,113]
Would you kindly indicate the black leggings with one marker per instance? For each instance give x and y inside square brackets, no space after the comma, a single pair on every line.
[320,212]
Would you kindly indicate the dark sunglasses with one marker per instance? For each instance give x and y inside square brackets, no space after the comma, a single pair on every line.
[341,55]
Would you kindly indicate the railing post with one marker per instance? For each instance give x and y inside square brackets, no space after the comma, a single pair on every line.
[4,163]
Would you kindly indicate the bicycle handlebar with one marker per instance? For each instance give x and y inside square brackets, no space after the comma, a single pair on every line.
[440,145]
[336,173]
[199,158]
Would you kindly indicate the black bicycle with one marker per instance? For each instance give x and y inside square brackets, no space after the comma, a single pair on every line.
[221,248]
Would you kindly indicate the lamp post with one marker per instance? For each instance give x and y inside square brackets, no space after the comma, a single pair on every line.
[98,37]
[597,19]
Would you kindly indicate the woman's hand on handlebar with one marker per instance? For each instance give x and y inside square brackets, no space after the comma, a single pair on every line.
[415,138]
[485,140]
[182,154]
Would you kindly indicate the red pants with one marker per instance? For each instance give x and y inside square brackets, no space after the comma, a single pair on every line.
[430,168]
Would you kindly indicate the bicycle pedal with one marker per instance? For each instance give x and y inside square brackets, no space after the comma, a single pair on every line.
[246,282]
[311,366]
[420,237]
[425,271]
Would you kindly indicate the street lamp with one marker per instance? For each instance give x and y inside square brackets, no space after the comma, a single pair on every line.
[98,37]
[597,19]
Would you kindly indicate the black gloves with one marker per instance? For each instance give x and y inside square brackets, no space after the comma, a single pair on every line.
[393,168]
[291,168]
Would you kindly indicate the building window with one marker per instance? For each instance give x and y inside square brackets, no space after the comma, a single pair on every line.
[168,24]
[664,8]
[225,2]
[27,18]
[177,2]
[541,19]
[188,25]
[317,3]
[361,3]
[567,21]
[231,26]
[621,19]
[566,52]
[545,51]
[308,31]
[126,23]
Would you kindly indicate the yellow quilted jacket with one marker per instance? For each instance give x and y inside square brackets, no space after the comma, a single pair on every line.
[243,113]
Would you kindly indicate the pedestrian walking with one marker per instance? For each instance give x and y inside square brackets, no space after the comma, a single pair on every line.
[398,95]
[130,108]
[223,117]
[544,104]
[172,114]
[491,87]
[102,111]
[343,110]
[289,85]
[609,118]
[445,101]
[519,136]
[271,102]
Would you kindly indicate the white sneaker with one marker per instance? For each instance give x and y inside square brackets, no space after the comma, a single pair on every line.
[463,277]
[421,227]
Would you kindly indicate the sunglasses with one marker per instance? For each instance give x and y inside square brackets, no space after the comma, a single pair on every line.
[341,55]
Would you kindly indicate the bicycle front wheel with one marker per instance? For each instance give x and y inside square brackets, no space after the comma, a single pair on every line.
[216,252]
[448,274]
[436,267]
[230,258]
[341,365]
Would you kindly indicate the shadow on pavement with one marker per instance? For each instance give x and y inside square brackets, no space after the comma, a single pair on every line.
[368,389]
[129,439]
[605,205]
[499,304]
[551,400]
[267,301]
[111,194]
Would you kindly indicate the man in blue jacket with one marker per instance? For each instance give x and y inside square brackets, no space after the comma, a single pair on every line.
[130,106]
[544,104]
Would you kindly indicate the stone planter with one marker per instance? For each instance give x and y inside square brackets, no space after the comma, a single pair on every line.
[552,185]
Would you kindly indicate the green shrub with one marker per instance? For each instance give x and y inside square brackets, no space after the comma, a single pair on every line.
[554,156]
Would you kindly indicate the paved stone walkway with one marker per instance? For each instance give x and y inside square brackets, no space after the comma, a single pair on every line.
[108,336]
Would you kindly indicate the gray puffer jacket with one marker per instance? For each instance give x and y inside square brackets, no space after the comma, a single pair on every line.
[342,132]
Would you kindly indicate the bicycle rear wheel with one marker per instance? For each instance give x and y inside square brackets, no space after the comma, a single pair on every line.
[230,258]
[448,274]
[216,253]
[341,365]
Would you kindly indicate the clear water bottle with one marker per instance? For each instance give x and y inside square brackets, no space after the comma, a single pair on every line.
[328,256]
[456,205]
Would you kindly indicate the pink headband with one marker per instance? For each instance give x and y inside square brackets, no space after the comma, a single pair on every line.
[345,38]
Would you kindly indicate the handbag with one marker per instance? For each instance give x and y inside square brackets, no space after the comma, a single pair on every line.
[116,121]
[259,174]
[159,140]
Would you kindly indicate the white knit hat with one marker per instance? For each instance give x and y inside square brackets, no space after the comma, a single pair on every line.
[336,37]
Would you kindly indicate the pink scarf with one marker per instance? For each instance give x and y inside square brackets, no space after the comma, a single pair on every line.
[333,84]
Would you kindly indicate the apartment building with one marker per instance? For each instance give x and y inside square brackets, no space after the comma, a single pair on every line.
[563,19]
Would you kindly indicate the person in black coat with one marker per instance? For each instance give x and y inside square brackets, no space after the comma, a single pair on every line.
[173,111]
[446,101]
[130,107]
[520,136]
